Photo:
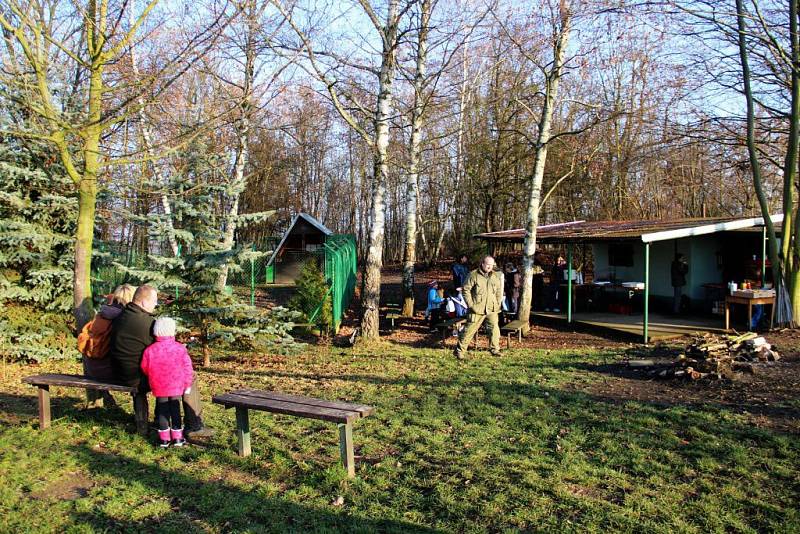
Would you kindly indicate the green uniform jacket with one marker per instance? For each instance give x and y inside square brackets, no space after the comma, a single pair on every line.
[483,293]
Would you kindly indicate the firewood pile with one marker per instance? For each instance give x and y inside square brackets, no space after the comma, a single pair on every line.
[714,357]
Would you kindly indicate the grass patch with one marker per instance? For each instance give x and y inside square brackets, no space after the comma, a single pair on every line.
[491,444]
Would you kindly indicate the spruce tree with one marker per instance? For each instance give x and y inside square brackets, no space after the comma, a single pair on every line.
[37,223]
[312,296]
[209,313]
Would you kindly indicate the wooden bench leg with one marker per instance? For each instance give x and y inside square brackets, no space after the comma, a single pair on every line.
[346,448]
[44,407]
[141,412]
[243,430]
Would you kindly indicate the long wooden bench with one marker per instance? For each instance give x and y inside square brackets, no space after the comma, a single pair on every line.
[43,382]
[342,413]
[514,327]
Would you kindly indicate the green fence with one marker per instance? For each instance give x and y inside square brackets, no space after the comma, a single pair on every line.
[340,272]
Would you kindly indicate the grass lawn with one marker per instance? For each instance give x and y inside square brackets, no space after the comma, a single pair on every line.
[492,444]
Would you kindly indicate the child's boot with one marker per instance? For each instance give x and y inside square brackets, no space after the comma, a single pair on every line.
[164,438]
[177,438]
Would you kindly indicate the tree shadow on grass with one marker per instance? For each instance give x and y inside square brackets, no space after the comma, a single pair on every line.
[223,507]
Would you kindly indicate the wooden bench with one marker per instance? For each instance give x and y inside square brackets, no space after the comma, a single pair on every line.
[342,413]
[43,382]
[514,327]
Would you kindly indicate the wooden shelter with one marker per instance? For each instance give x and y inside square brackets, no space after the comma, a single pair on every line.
[634,258]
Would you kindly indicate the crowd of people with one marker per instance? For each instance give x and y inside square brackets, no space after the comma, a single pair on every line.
[487,294]
[126,344]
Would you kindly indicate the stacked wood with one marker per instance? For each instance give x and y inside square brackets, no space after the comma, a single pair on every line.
[714,356]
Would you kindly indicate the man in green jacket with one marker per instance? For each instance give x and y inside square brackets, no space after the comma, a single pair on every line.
[483,293]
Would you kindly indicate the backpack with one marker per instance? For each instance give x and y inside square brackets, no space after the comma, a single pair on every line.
[95,338]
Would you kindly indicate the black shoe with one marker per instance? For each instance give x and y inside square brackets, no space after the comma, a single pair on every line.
[495,352]
[164,443]
[178,442]
[458,354]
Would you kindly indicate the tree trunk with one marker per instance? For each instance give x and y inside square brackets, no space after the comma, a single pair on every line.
[242,132]
[370,298]
[410,251]
[755,164]
[540,158]
[82,285]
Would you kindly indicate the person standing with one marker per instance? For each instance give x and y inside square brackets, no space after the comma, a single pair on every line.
[678,271]
[131,334]
[168,368]
[556,279]
[483,293]
[513,283]
[460,270]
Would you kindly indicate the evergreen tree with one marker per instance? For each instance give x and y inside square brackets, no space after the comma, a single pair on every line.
[208,312]
[312,296]
[38,211]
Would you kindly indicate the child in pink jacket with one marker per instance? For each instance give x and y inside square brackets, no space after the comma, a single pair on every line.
[169,372]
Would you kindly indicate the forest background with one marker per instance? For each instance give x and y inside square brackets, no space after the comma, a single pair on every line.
[189,132]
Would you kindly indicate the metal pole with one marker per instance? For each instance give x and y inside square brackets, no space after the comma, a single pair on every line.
[763,256]
[646,289]
[569,283]
[253,280]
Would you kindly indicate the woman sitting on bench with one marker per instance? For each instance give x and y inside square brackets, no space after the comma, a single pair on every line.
[434,312]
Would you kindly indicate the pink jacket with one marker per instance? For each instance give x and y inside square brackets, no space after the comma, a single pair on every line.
[168,367]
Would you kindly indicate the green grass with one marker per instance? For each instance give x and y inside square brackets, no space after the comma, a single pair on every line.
[492,444]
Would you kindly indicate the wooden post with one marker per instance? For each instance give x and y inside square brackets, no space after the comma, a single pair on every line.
[243,430]
[645,324]
[141,413]
[44,407]
[346,448]
[569,283]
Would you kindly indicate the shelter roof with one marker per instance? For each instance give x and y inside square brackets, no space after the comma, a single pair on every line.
[643,231]
[310,220]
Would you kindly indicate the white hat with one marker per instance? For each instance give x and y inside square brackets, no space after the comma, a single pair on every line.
[164,327]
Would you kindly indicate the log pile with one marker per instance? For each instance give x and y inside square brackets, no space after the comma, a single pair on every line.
[714,357]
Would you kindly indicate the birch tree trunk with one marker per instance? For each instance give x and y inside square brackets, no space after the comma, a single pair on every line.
[242,127]
[552,78]
[370,298]
[412,187]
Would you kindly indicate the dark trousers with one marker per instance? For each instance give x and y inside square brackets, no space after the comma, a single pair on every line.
[192,408]
[168,413]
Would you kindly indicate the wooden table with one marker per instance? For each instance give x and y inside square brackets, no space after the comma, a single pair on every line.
[749,302]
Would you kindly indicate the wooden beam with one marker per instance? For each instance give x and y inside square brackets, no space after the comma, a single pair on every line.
[346,448]
[141,413]
[44,407]
[243,431]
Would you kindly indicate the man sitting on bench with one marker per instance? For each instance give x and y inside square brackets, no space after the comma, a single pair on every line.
[131,333]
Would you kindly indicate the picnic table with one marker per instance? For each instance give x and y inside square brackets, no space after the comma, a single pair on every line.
[342,413]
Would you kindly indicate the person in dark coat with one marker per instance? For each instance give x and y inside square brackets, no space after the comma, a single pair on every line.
[131,333]
[460,272]
[678,272]
[513,285]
